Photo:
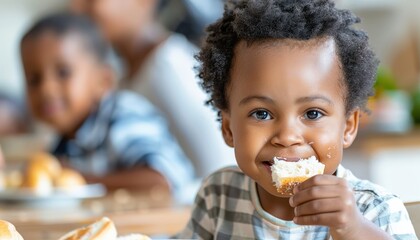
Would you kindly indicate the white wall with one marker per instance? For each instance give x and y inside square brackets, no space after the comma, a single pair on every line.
[386,21]
[393,168]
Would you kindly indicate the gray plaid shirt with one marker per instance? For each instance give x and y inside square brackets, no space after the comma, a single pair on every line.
[227,207]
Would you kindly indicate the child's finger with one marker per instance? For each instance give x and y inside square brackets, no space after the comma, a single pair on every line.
[318,180]
[331,219]
[316,192]
[319,206]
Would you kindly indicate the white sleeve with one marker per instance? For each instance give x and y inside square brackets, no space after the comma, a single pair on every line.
[171,84]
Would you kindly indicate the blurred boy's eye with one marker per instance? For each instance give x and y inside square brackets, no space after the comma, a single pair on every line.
[63,72]
[261,115]
[313,114]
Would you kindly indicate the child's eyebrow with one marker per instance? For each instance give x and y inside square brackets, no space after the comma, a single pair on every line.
[314,98]
[256,97]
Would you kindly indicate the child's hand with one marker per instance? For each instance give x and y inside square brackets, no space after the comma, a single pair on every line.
[329,201]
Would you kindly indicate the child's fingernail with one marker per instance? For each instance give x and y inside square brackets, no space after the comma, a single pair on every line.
[296,189]
[291,201]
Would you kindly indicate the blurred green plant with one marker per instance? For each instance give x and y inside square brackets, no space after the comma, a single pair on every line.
[415,101]
[385,81]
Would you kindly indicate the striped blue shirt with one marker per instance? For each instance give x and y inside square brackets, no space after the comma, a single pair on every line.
[227,207]
[125,131]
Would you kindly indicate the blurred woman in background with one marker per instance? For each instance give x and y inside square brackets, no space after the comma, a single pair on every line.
[160,66]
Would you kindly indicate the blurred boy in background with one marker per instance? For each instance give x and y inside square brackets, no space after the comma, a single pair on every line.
[160,66]
[115,138]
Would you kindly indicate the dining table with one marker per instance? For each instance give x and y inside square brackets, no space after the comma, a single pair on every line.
[152,213]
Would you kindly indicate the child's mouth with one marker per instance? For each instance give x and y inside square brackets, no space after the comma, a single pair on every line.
[268,164]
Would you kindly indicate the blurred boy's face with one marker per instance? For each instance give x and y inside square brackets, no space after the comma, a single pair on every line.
[64,80]
[286,100]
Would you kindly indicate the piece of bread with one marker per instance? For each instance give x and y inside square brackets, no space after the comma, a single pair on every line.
[286,175]
[69,179]
[8,231]
[45,162]
[44,172]
[40,171]
[38,181]
[13,179]
[103,229]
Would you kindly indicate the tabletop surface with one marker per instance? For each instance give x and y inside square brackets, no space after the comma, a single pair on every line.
[153,214]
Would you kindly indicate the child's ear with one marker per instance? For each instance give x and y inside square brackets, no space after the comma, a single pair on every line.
[352,126]
[226,131]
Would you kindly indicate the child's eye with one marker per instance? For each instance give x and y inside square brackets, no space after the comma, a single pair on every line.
[313,114]
[261,115]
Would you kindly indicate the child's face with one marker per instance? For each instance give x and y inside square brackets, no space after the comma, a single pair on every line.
[64,80]
[286,100]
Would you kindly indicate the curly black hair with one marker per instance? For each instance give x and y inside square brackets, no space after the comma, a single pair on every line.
[262,20]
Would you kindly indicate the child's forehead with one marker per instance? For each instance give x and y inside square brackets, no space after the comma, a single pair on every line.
[49,37]
[291,59]
[319,52]
[48,41]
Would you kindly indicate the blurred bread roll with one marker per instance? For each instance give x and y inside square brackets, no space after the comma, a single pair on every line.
[68,179]
[38,181]
[8,231]
[40,171]
[13,179]
[44,172]
[45,162]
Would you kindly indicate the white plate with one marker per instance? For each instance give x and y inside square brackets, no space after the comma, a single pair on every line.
[54,197]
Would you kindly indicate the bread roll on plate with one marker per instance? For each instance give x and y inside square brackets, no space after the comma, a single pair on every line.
[103,229]
[38,181]
[42,168]
[44,173]
[43,161]
[286,175]
[8,231]
[69,179]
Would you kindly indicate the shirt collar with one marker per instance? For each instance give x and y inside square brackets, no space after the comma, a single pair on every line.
[95,128]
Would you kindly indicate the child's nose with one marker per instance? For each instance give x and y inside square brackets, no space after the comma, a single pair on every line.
[287,133]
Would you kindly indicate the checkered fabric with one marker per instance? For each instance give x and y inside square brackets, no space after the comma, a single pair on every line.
[227,207]
[126,131]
